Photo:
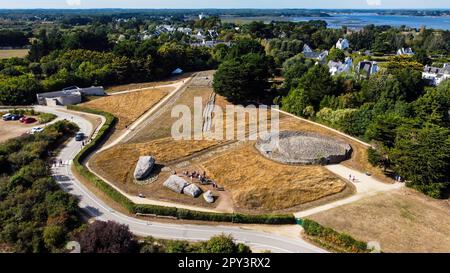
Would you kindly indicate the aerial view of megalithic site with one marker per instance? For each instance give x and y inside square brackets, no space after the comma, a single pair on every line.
[241,129]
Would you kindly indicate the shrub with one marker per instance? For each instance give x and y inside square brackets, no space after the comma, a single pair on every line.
[331,237]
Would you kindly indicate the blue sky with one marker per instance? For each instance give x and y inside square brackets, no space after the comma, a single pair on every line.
[362,4]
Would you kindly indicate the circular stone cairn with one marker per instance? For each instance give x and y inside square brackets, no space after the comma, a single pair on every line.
[292,147]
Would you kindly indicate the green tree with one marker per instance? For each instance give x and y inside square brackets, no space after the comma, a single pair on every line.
[317,83]
[223,244]
[244,47]
[421,56]
[20,90]
[336,55]
[293,69]
[54,237]
[242,79]
[296,102]
[422,158]
[434,104]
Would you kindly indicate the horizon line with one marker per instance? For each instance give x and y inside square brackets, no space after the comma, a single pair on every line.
[242,8]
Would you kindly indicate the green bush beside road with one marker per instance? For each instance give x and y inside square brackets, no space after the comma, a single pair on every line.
[332,239]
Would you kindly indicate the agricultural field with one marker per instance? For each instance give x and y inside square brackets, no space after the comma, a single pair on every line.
[11,53]
[401,221]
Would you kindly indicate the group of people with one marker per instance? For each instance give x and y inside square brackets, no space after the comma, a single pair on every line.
[352,178]
[201,177]
[57,163]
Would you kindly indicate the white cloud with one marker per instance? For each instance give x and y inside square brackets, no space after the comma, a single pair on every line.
[73,3]
[374,2]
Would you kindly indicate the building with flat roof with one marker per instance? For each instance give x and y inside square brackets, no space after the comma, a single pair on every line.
[69,96]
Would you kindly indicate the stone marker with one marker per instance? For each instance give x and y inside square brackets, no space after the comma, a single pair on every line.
[208,196]
[144,167]
[175,183]
[192,190]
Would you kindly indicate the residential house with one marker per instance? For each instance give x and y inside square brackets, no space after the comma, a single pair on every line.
[367,68]
[306,48]
[310,54]
[342,44]
[337,68]
[405,51]
[436,75]
[319,56]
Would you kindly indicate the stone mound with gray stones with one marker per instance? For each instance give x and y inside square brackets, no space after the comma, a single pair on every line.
[292,147]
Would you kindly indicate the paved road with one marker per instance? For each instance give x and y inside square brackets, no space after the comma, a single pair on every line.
[95,207]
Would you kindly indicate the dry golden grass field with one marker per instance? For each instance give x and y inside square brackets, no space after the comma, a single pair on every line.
[10,53]
[132,86]
[129,106]
[117,165]
[118,162]
[402,221]
[257,183]
[161,127]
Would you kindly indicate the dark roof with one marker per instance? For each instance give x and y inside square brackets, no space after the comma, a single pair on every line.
[311,55]
[70,88]
[437,70]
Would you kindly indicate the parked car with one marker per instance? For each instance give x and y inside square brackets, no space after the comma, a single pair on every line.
[36,130]
[79,136]
[7,116]
[28,120]
[16,117]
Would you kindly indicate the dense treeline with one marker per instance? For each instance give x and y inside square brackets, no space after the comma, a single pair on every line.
[84,58]
[35,214]
[11,38]
[407,121]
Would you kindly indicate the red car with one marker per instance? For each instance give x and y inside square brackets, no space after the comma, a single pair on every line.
[28,120]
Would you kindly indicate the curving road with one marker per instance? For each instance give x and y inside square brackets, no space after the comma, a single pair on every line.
[96,208]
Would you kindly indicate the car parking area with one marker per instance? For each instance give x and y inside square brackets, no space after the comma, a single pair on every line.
[13,128]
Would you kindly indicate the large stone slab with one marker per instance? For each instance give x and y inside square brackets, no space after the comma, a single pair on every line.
[144,167]
[209,197]
[176,183]
[192,190]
